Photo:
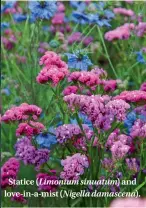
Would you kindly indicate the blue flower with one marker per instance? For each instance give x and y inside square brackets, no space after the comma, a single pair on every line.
[78,60]
[46,140]
[43,9]
[84,119]
[4,25]
[140,57]
[79,17]
[129,121]
[6,91]
[19,17]
[7,5]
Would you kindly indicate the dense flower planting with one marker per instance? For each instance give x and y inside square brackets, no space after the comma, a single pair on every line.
[74,102]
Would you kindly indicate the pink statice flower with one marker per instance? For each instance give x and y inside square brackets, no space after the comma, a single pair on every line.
[74,166]
[22,112]
[132,96]
[58,18]
[99,109]
[123,11]
[128,203]
[43,47]
[88,40]
[19,198]
[109,85]
[143,87]
[29,129]
[138,130]
[54,70]
[60,7]
[99,72]
[43,181]
[9,170]
[88,79]
[140,29]
[75,37]
[69,90]
[120,33]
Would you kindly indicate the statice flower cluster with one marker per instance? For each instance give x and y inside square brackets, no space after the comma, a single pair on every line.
[22,112]
[74,166]
[88,79]
[69,90]
[9,170]
[73,133]
[26,152]
[123,11]
[138,130]
[123,32]
[33,128]
[134,96]
[54,70]
[43,180]
[133,164]
[100,110]
[19,198]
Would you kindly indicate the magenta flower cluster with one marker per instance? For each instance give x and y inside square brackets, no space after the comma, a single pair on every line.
[54,70]
[9,170]
[22,112]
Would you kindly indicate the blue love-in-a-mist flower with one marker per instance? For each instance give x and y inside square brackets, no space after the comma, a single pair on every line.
[78,60]
[4,25]
[19,17]
[43,9]
[129,121]
[84,120]
[47,139]
[141,57]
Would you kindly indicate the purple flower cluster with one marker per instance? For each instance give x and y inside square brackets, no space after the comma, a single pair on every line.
[133,164]
[99,109]
[74,166]
[138,129]
[119,144]
[74,133]
[26,152]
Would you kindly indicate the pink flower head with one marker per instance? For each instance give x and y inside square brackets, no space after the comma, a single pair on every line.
[9,170]
[89,79]
[22,112]
[123,11]
[43,182]
[123,32]
[132,96]
[69,90]
[99,72]
[58,18]
[140,29]
[75,37]
[61,7]
[109,85]
[54,70]
[88,40]
[119,150]
[143,87]
[74,166]
[19,198]
[138,130]
[29,130]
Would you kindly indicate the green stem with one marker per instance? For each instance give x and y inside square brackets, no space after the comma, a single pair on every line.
[108,57]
